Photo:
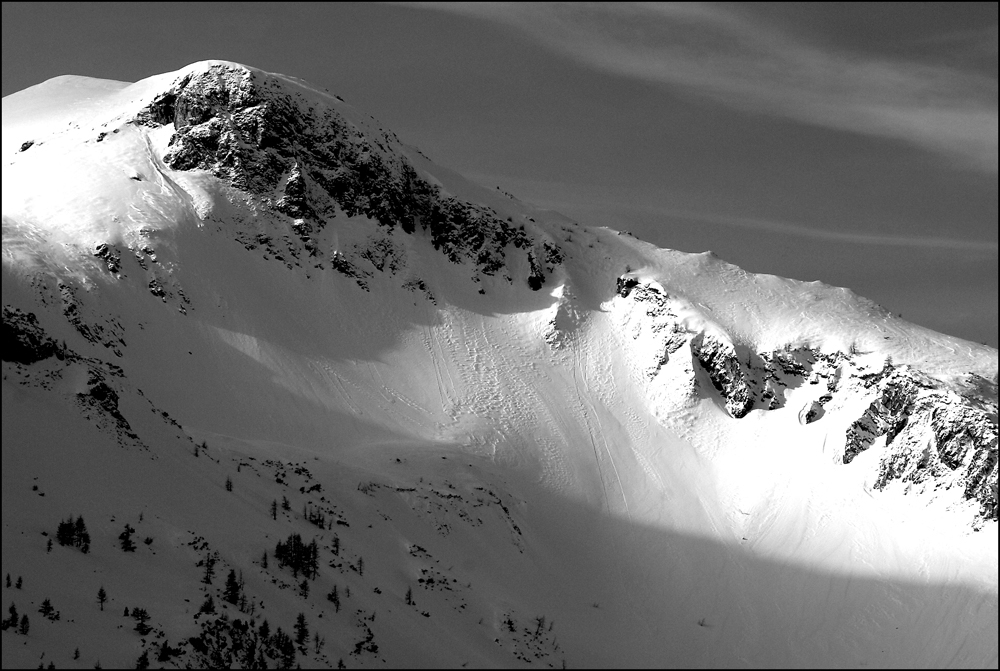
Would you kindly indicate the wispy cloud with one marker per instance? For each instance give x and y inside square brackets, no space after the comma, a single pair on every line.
[847,237]
[599,205]
[714,51]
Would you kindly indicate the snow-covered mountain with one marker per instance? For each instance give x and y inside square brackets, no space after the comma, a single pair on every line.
[239,314]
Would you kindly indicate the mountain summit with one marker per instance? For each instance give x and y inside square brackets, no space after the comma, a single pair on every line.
[513,439]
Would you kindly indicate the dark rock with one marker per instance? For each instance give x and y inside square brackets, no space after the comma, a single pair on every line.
[626,284]
[24,341]
[110,255]
[726,372]
[248,129]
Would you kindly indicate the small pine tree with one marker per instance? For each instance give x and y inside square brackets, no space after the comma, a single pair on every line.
[19,582]
[48,545]
[163,654]
[76,654]
[301,630]
[141,617]
[126,614]
[304,589]
[12,620]
[65,532]
[46,608]
[285,504]
[209,569]
[208,606]
[102,597]
[274,509]
[334,598]
[231,592]
[229,484]
[361,566]
[409,596]
[125,539]
[336,545]
[143,661]
[25,625]
[8,581]
[263,561]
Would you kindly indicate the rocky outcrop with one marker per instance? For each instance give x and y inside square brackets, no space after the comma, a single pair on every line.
[309,163]
[110,256]
[935,435]
[24,340]
[719,360]
[888,413]
[939,437]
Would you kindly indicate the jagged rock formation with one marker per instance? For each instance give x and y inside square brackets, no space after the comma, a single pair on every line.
[308,163]
[24,341]
[933,435]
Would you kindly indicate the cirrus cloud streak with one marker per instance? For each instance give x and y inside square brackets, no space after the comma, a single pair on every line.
[733,58]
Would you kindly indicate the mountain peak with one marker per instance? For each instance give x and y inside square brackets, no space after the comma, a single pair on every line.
[223,288]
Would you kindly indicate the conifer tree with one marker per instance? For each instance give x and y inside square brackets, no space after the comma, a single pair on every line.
[12,620]
[19,582]
[143,661]
[274,509]
[301,630]
[102,596]
[25,625]
[46,608]
[334,598]
[304,589]
[76,654]
[409,596]
[141,617]
[125,539]
[65,532]
[231,592]
[8,580]
[208,606]
[209,569]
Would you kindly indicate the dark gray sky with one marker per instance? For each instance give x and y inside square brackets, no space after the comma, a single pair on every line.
[853,143]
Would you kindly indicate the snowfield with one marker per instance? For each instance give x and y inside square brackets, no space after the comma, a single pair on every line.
[571,447]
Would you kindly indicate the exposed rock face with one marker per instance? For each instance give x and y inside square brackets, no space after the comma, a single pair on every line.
[888,413]
[110,255]
[308,162]
[934,435]
[726,372]
[24,341]
[664,323]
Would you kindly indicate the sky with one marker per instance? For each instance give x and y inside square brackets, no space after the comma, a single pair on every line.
[851,143]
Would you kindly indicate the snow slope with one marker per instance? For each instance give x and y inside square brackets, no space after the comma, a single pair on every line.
[674,461]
